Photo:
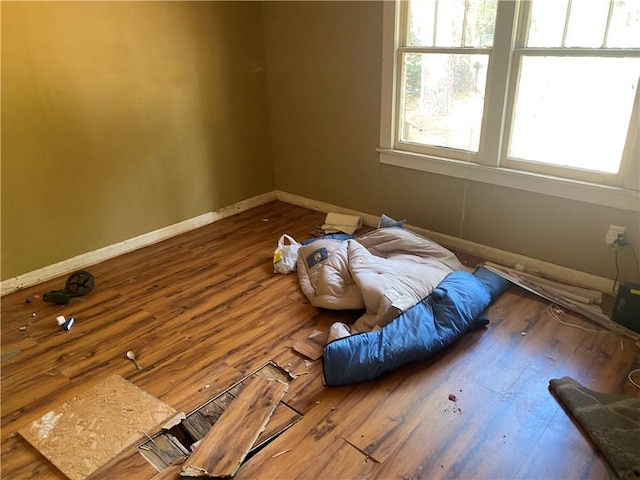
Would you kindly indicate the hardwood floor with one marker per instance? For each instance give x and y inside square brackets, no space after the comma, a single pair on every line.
[204,309]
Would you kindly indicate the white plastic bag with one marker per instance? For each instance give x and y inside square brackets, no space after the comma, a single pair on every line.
[285,256]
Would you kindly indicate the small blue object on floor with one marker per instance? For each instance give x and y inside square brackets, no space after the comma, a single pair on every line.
[387,222]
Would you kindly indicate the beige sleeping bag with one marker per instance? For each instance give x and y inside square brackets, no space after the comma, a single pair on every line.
[383,272]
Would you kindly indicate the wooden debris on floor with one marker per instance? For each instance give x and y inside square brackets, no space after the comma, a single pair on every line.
[185,438]
[312,346]
[172,472]
[577,294]
[228,442]
[163,451]
[283,417]
[590,311]
[85,433]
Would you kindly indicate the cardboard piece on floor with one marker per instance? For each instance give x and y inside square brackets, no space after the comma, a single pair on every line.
[85,433]
[312,347]
[225,446]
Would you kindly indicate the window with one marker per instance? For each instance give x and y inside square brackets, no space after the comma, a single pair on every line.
[540,94]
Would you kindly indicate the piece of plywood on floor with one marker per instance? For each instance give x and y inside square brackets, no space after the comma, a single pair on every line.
[226,445]
[87,432]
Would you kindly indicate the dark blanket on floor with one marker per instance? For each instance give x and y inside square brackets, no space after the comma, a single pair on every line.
[612,421]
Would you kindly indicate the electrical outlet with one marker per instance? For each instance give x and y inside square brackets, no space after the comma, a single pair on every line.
[613,233]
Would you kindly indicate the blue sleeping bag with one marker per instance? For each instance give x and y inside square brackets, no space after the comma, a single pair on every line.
[453,307]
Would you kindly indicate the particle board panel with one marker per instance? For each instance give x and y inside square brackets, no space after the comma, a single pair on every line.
[85,433]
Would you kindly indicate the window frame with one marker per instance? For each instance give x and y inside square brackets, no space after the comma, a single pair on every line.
[490,164]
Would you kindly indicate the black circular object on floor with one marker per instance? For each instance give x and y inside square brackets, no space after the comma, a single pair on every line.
[79,283]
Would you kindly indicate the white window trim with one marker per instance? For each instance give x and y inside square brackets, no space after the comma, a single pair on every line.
[609,196]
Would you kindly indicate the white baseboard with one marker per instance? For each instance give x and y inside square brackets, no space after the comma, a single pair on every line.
[557,272]
[91,258]
[563,274]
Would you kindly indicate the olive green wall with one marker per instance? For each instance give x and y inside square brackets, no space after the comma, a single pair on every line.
[324,69]
[120,118]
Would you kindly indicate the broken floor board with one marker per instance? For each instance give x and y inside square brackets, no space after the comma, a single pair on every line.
[318,433]
[303,393]
[312,346]
[283,417]
[212,410]
[197,423]
[129,465]
[163,451]
[227,443]
[87,432]
[170,473]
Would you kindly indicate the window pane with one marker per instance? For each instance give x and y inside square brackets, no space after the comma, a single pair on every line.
[546,26]
[443,99]
[449,23]
[624,31]
[587,23]
[421,22]
[448,27]
[574,111]
[481,23]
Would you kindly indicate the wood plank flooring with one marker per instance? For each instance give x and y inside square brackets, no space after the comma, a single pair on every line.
[205,308]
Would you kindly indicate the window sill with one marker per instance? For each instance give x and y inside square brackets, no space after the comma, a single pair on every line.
[559,187]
